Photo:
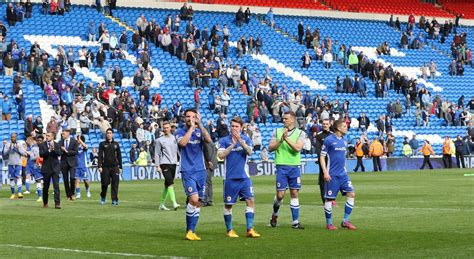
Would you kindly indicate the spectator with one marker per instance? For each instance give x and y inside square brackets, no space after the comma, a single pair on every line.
[264,154]
[257,139]
[197,99]
[433,69]
[364,122]
[300,32]
[327,59]
[398,109]
[7,107]
[225,101]
[414,144]
[247,15]
[390,144]
[269,18]
[91,31]
[353,62]
[407,151]
[142,159]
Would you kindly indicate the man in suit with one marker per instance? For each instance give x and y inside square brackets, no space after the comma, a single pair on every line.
[50,151]
[210,157]
[69,147]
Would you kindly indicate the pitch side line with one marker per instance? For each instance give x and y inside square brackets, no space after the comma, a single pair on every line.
[85,251]
[306,205]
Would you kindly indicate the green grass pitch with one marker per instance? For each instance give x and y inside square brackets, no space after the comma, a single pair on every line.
[398,214]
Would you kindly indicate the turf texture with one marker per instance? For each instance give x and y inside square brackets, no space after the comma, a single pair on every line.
[398,214]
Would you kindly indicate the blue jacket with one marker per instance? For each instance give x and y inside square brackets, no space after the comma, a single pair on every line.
[7,107]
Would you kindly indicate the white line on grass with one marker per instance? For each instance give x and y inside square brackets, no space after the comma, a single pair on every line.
[81,251]
[153,203]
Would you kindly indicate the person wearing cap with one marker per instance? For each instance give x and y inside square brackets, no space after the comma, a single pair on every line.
[69,148]
[426,150]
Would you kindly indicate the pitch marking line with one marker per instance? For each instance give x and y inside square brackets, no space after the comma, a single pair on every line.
[85,251]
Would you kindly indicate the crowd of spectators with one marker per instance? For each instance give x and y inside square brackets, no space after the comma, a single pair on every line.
[82,106]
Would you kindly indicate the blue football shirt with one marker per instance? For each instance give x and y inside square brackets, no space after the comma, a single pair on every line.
[335,149]
[81,157]
[236,162]
[192,158]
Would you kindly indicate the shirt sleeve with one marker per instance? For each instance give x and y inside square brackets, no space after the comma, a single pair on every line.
[222,144]
[157,151]
[274,135]
[302,136]
[324,148]
[249,142]
[179,134]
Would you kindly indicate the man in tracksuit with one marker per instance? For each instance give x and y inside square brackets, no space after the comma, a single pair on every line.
[12,153]
[110,166]
[319,143]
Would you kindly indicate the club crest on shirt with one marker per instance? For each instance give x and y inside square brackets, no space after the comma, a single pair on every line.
[198,134]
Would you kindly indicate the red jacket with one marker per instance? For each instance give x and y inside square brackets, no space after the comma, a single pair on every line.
[196,96]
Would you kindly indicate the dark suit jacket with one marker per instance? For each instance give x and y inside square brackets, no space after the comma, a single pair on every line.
[50,159]
[69,158]
[210,154]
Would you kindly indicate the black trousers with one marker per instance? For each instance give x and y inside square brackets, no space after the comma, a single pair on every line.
[208,192]
[321,183]
[359,164]
[110,175]
[169,172]
[426,160]
[47,181]
[377,164]
[447,161]
[460,160]
[69,179]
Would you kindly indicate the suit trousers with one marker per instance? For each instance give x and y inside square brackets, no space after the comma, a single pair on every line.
[47,177]
[209,192]
[69,179]
[110,175]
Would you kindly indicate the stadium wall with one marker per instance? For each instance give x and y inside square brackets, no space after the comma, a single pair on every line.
[257,10]
[259,168]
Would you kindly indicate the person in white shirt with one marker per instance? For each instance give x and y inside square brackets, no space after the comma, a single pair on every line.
[225,99]
[327,59]
[113,41]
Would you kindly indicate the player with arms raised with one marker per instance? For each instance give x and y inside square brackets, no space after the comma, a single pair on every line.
[193,171]
[287,142]
[234,150]
[335,175]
